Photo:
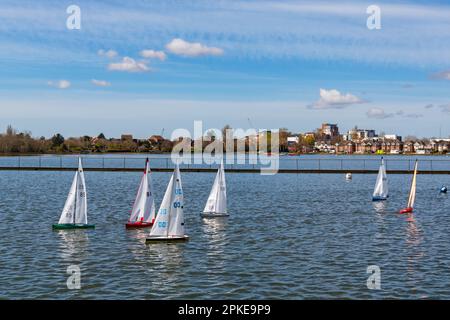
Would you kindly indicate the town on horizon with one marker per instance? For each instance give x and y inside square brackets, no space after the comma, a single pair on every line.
[326,139]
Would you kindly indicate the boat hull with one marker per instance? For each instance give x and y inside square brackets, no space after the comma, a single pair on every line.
[166,239]
[406,210]
[67,226]
[137,225]
[378,198]
[213,215]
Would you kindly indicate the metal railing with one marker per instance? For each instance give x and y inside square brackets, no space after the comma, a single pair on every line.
[283,163]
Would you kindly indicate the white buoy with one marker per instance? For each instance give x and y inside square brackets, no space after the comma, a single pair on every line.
[348,176]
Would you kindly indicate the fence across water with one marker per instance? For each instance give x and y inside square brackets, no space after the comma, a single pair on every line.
[238,163]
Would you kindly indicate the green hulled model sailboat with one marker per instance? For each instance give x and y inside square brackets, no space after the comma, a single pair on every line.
[74,214]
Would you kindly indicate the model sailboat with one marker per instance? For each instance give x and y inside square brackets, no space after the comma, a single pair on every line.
[74,214]
[143,211]
[169,222]
[381,186]
[216,206]
[412,192]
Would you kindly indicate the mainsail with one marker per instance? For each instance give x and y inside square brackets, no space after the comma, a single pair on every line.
[144,205]
[381,186]
[217,200]
[75,208]
[412,192]
[169,221]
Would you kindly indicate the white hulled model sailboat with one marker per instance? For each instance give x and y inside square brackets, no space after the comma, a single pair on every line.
[216,205]
[74,214]
[381,186]
[143,212]
[169,222]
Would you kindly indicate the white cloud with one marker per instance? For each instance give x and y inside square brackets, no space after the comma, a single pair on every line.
[334,99]
[244,29]
[109,53]
[61,84]
[413,115]
[152,54]
[129,65]
[445,108]
[191,49]
[100,83]
[378,113]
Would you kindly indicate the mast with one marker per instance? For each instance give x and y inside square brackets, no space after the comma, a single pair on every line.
[76,196]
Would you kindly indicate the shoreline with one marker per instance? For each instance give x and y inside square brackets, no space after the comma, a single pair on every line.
[282,154]
[231,170]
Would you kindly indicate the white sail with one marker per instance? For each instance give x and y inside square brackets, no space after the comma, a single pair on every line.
[169,221]
[68,212]
[381,185]
[144,204]
[412,192]
[75,208]
[217,200]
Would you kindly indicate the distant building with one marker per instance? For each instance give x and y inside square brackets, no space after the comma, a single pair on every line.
[440,145]
[126,137]
[292,143]
[156,139]
[292,139]
[359,134]
[347,147]
[408,147]
[329,131]
[392,137]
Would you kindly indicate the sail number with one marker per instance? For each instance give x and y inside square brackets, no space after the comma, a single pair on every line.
[162,224]
[178,191]
[177,204]
[163,211]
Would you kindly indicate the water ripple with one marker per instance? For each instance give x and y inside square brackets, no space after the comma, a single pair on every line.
[288,237]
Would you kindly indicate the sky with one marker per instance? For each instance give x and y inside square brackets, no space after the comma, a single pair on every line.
[142,67]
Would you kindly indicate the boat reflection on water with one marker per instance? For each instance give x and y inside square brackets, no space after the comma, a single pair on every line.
[415,253]
[215,231]
[414,235]
[74,244]
[136,241]
[164,259]
[379,207]
[137,235]
[216,239]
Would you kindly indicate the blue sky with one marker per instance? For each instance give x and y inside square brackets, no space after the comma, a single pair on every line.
[289,64]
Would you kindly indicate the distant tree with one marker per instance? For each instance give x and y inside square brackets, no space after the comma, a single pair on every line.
[308,141]
[166,146]
[284,133]
[211,135]
[57,140]
[101,136]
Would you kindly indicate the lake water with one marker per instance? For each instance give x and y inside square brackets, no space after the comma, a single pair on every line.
[288,236]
